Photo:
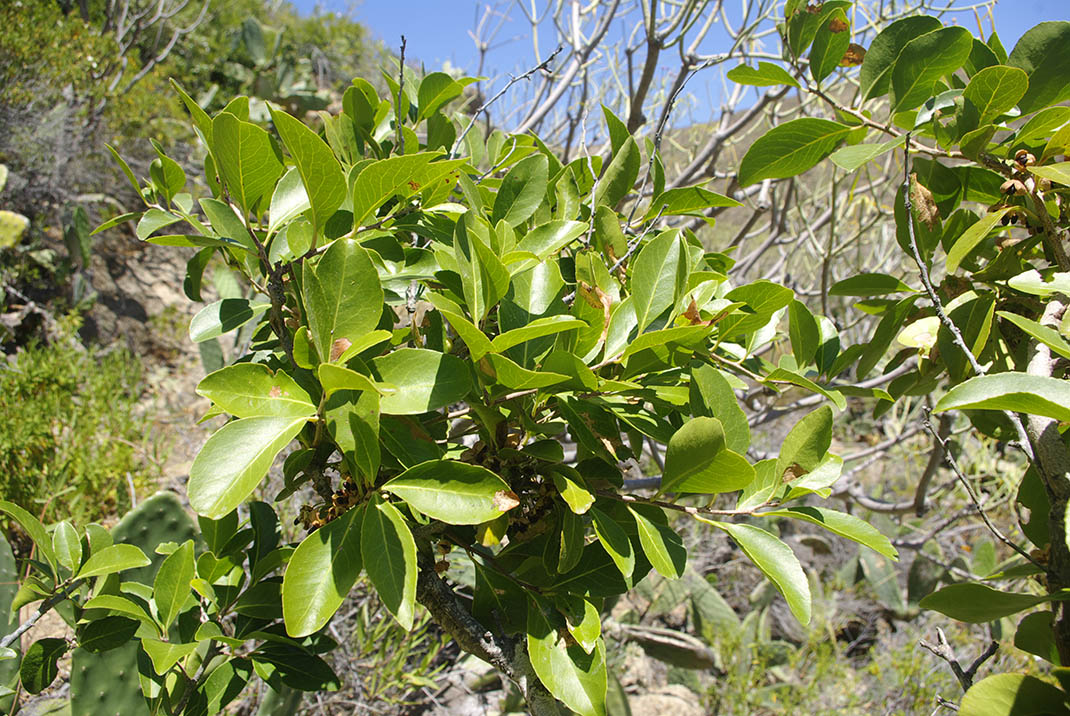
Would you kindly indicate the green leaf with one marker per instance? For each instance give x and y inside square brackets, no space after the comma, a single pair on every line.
[975,234]
[165,655]
[336,377]
[548,239]
[923,61]
[126,171]
[538,328]
[657,275]
[171,587]
[33,528]
[67,546]
[436,89]
[975,603]
[1041,52]
[426,380]
[783,375]
[615,541]
[477,341]
[1048,336]
[1018,392]
[401,176]
[289,200]
[853,156]
[1037,284]
[249,390]
[389,554]
[453,492]
[807,442]
[776,561]
[689,337]
[688,200]
[343,297]
[619,176]
[223,316]
[869,284]
[153,220]
[320,573]
[829,45]
[325,184]
[698,461]
[995,90]
[1056,172]
[803,331]
[843,524]
[112,559]
[122,605]
[790,149]
[1014,695]
[711,395]
[522,190]
[767,75]
[875,76]
[247,159]
[234,461]
[106,633]
[484,279]
[40,664]
[576,678]
[572,490]
[661,544]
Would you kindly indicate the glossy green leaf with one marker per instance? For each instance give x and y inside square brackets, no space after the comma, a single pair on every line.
[436,89]
[522,190]
[661,544]
[112,559]
[235,459]
[506,373]
[165,655]
[336,377]
[978,603]
[247,159]
[806,444]
[688,200]
[343,297]
[1041,52]
[974,235]
[320,573]
[615,541]
[1056,172]
[803,332]
[657,276]
[288,201]
[389,554]
[843,524]
[923,61]
[453,492]
[1014,695]
[766,75]
[576,678]
[776,561]
[790,149]
[40,664]
[123,606]
[153,220]
[33,528]
[711,395]
[875,75]
[830,44]
[425,380]
[690,337]
[106,633]
[1046,335]
[572,490]
[321,174]
[868,284]
[248,390]
[224,316]
[67,546]
[401,176]
[171,587]
[853,156]
[538,328]
[698,461]
[619,175]
[477,342]
[783,375]
[484,279]
[548,239]
[1018,392]
[995,90]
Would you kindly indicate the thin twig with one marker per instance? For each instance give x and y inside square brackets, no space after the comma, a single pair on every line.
[943,650]
[399,146]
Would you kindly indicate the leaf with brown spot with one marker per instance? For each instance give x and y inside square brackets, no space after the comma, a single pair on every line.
[838,25]
[792,472]
[924,204]
[340,346]
[505,500]
[854,55]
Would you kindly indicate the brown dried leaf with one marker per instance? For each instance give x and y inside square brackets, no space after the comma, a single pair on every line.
[339,347]
[854,55]
[837,25]
[505,500]
[924,204]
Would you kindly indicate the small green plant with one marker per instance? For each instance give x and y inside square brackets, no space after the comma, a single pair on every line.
[72,441]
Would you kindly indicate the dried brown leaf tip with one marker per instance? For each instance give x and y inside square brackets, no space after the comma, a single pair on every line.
[854,55]
[339,347]
[924,204]
[838,25]
[815,8]
[505,500]
[792,472]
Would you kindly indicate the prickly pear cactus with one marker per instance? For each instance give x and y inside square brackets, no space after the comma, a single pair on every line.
[161,518]
[107,684]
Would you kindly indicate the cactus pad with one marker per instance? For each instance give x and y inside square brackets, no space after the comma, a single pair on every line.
[107,684]
[161,518]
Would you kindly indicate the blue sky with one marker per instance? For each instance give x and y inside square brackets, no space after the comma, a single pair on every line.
[437,30]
